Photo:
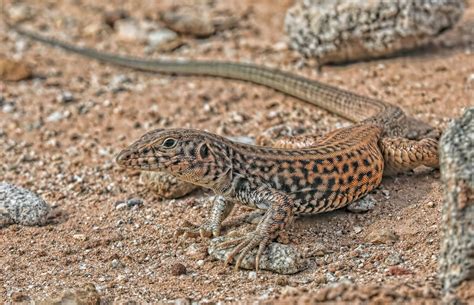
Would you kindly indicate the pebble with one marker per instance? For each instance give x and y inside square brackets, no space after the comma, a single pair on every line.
[189,22]
[19,13]
[128,204]
[21,206]
[129,30]
[55,116]
[178,269]
[160,37]
[362,205]
[357,230]
[115,263]
[65,97]
[80,237]
[14,70]
[430,204]
[382,236]
[8,108]
[252,275]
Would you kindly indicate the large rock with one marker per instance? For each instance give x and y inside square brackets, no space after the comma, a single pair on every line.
[335,31]
[456,264]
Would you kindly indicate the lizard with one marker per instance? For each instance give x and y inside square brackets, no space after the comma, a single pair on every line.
[300,175]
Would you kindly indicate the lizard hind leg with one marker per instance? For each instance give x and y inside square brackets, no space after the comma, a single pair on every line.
[401,154]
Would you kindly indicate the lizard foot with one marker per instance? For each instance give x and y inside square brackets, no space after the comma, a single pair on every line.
[206,230]
[243,246]
[211,229]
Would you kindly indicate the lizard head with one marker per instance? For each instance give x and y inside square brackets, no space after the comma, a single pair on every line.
[191,155]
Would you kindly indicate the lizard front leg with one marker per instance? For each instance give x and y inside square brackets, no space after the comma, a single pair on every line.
[401,154]
[277,217]
[221,208]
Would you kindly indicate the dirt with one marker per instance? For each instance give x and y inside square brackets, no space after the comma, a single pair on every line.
[60,131]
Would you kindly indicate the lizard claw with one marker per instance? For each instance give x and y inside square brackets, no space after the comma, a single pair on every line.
[243,246]
[189,229]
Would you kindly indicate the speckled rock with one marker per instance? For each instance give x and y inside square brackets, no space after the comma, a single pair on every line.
[348,293]
[362,205]
[348,30]
[457,172]
[18,205]
[279,258]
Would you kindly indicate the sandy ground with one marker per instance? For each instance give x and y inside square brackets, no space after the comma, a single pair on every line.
[130,254]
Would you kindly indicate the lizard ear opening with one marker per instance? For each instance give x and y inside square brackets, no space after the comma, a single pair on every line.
[204,151]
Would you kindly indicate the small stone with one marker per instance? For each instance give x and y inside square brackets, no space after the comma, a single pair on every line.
[252,275]
[115,263]
[129,30]
[189,22]
[19,13]
[178,269]
[8,108]
[362,205]
[200,263]
[80,237]
[330,278]
[111,17]
[430,204]
[357,229]
[386,193]
[134,202]
[121,206]
[65,97]
[55,117]
[13,70]
[382,236]
[160,37]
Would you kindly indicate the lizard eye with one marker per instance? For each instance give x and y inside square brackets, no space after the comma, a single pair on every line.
[169,143]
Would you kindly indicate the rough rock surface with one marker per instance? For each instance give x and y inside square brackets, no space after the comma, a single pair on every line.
[349,30]
[278,258]
[18,205]
[348,293]
[457,173]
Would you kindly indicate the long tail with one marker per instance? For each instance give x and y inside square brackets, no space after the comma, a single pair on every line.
[344,103]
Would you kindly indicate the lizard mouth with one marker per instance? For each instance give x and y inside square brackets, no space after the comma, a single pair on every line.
[130,159]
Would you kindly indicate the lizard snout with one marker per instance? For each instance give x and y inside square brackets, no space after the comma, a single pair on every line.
[124,157]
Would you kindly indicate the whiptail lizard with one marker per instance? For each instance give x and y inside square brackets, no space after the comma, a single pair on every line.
[309,175]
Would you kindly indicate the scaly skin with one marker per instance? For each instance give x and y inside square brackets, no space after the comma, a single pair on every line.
[304,175]
[336,170]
